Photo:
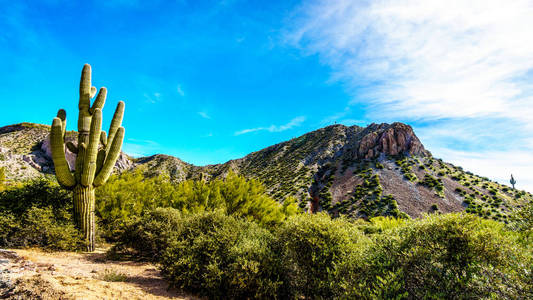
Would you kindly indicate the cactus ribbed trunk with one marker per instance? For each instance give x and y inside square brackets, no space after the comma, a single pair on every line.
[84,211]
[96,152]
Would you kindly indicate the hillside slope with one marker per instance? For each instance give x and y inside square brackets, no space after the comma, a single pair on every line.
[382,169]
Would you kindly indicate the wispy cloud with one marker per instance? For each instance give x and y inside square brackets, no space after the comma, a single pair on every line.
[153,97]
[273,128]
[138,148]
[336,117]
[204,115]
[499,164]
[466,62]
[180,90]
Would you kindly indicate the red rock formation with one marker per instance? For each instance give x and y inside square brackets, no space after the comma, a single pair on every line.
[393,139]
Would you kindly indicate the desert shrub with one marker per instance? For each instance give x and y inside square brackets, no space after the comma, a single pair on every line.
[522,222]
[39,193]
[112,275]
[9,225]
[313,248]
[37,213]
[452,256]
[433,183]
[148,236]
[131,195]
[128,196]
[387,223]
[221,256]
[448,256]
[39,227]
[2,177]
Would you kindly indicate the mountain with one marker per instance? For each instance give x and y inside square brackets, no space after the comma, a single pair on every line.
[382,169]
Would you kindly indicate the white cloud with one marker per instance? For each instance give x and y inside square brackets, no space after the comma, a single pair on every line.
[180,91]
[497,163]
[152,98]
[428,60]
[273,128]
[138,148]
[244,131]
[204,115]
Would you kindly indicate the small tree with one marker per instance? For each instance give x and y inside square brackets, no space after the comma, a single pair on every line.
[512,181]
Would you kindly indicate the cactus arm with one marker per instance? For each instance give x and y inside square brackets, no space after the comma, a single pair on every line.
[115,124]
[64,177]
[85,87]
[93,92]
[103,138]
[89,165]
[72,148]
[100,100]
[62,114]
[100,160]
[82,149]
[84,118]
[111,158]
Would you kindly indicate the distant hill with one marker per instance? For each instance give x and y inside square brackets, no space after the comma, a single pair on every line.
[382,169]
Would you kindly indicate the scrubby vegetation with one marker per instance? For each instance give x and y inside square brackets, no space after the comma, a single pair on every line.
[131,195]
[433,183]
[2,178]
[229,239]
[123,200]
[405,165]
[455,256]
[367,199]
[38,213]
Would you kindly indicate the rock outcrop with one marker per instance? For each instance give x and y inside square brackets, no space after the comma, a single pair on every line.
[394,139]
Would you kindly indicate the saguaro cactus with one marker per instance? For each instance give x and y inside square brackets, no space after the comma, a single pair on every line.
[512,181]
[96,152]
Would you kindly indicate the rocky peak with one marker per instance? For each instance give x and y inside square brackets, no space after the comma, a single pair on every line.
[389,139]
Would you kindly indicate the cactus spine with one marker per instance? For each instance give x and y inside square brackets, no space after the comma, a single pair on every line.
[96,152]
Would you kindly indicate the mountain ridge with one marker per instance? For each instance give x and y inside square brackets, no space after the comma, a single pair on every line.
[381,169]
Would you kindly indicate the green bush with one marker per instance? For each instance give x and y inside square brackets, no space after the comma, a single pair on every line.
[130,195]
[9,226]
[453,256]
[522,222]
[38,213]
[39,227]
[220,256]
[39,193]
[148,236]
[313,248]
[457,256]
[112,275]
[2,178]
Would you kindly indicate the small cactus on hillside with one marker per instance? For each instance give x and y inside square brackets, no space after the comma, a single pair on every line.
[96,152]
[512,181]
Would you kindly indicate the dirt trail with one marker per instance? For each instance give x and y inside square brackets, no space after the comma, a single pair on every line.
[34,274]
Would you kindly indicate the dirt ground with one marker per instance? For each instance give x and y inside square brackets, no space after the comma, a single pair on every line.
[34,274]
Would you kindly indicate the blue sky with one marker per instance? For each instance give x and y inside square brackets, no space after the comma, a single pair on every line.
[209,81]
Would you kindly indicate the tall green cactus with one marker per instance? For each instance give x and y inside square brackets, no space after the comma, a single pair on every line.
[512,181]
[96,152]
